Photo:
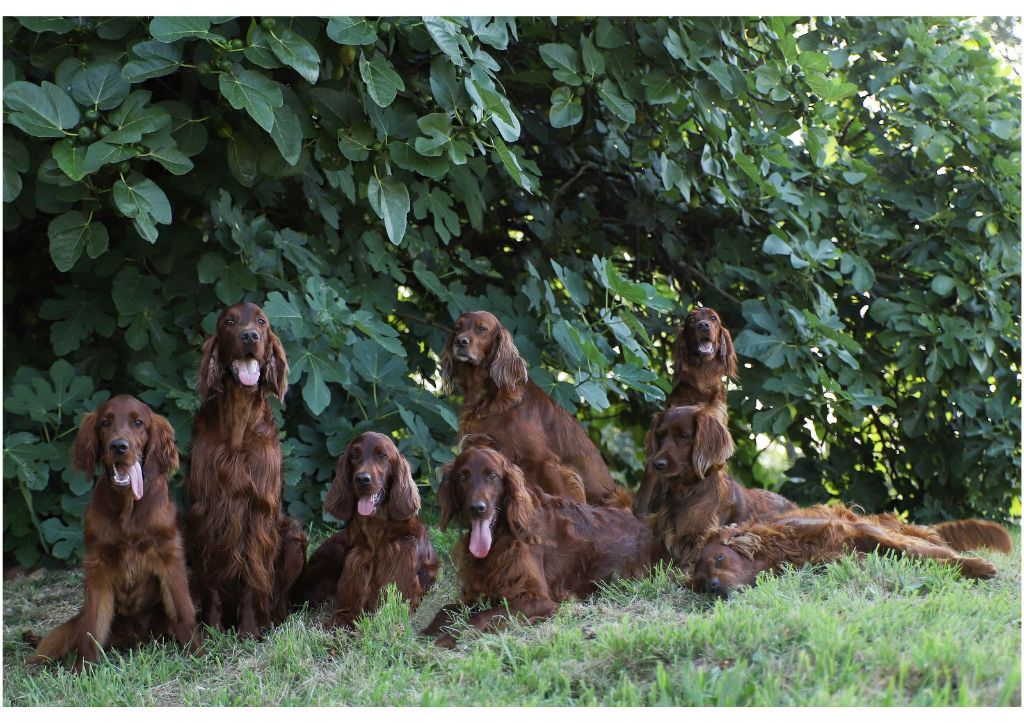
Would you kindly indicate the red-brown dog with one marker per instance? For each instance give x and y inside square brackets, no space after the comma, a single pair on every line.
[136,586]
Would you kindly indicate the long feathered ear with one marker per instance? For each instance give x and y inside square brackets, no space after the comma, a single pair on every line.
[507,367]
[208,378]
[86,449]
[747,544]
[446,495]
[404,498]
[161,452]
[448,366]
[277,366]
[518,505]
[650,438]
[678,353]
[340,500]
[712,445]
[726,353]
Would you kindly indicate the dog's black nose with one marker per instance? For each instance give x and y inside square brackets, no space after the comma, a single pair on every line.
[714,585]
[660,464]
[250,336]
[363,479]
[478,507]
[704,325]
[461,341]
[119,446]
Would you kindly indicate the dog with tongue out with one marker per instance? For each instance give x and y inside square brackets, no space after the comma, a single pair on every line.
[525,547]
[383,542]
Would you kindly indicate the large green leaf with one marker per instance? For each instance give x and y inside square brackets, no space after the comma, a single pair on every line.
[382,82]
[72,233]
[296,52]
[253,92]
[100,85]
[134,118]
[44,111]
[171,29]
[566,110]
[154,60]
[16,162]
[351,31]
[389,199]
[70,158]
[616,103]
[447,36]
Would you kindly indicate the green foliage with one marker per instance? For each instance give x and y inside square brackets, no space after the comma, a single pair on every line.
[844,191]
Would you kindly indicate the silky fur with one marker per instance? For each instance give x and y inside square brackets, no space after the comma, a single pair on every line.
[544,547]
[235,521]
[389,546]
[700,495]
[500,402]
[697,381]
[731,557]
[136,586]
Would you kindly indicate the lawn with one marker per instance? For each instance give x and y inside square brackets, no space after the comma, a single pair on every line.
[882,631]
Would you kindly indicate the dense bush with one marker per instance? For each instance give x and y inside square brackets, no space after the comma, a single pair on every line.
[844,191]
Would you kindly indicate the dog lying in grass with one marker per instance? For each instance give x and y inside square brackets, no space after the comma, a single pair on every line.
[525,547]
[731,557]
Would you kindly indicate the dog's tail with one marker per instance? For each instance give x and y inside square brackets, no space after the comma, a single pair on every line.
[971,534]
[55,645]
[619,497]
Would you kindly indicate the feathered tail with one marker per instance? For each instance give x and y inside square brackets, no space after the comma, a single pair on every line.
[963,535]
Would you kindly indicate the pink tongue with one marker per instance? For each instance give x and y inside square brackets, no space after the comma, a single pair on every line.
[705,347]
[480,538]
[135,473]
[248,371]
[365,505]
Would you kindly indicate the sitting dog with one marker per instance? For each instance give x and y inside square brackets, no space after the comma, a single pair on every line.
[136,587]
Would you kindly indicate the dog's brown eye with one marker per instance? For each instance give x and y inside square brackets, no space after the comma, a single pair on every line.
[718,560]
[492,475]
[105,422]
[261,322]
[137,422]
[229,322]
[381,455]
[481,329]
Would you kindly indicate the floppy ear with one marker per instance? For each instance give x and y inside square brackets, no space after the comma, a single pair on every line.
[507,367]
[404,498]
[678,353]
[712,445]
[726,353]
[208,378]
[277,367]
[448,366]
[339,500]
[446,495]
[650,438]
[747,544]
[86,448]
[161,452]
[518,505]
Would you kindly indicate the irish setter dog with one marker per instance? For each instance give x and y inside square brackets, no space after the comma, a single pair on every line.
[246,553]
[136,586]
[731,557]
[500,403]
[525,547]
[701,355]
[384,540]
[688,448]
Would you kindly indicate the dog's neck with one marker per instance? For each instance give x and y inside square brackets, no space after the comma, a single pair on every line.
[482,397]
[243,412]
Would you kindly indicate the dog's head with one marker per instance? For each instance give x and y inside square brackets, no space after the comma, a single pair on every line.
[372,477]
[132,442]
[479,340]
[703,340]
[726,562]
[480,488]
[243,351]
[687,442]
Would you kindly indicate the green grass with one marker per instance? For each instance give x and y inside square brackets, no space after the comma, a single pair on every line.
[883,631]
